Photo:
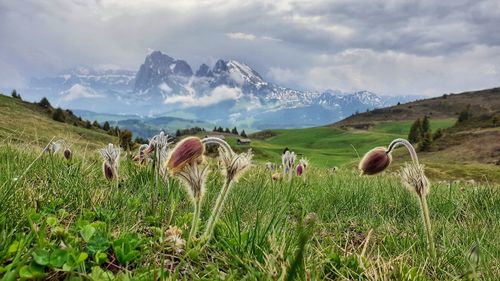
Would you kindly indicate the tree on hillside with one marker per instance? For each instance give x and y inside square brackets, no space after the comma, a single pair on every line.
[220,130]
[88,125]
[16,95]
[464,115]
[58,115]
[426,125]
[437,134]
[178,133]
[215,129]
[125,137]
[415,134]
[44,102]
[227,131]
[234,131]
[96,124]
[243,134]
[106,126]
[426,141]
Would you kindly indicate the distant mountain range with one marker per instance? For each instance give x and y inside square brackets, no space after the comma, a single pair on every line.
[230,93]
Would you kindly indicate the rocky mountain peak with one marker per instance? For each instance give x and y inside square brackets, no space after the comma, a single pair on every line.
[159,68]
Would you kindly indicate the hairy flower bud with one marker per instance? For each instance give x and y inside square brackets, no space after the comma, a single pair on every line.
[67,153]
[108,171]
[375,161]
[299,170]
[188,151]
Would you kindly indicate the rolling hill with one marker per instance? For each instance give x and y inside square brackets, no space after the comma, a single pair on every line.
[447,106]
[466,150]
[30,123]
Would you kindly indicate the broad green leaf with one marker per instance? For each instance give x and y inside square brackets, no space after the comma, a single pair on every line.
[51,221]
[41,256]
[87,232]
[58,257]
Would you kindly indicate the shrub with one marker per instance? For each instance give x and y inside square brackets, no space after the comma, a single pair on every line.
[58,115]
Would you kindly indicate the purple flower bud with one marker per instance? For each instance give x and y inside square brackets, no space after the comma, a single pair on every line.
[375,161]
[188,151]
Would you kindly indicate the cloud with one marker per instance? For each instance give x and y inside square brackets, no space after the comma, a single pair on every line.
[241,36]
[165,88]
[79,91]
[217,95]
[391,46]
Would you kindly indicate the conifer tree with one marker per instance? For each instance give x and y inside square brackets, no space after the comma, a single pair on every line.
[415,134]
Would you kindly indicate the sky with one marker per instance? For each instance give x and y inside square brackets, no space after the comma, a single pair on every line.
[391,47]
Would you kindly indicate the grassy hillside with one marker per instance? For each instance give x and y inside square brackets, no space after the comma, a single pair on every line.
[446,106]
[28,123]
[72,224]
[330,146]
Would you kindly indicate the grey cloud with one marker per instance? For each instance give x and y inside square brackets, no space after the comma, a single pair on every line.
[313,44]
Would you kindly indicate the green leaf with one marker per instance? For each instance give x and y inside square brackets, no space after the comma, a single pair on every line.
[82,257]
[41,256]
[31,272]
[51,221]
[87,232]
[99,274]
[58,258]
[100,257]
[13,247]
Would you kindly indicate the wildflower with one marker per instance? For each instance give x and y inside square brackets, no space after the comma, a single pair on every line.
[110,165]
[301,168]
[194,177]
[188,151]
[414,179]
[375,161]
[173,236]
[412,175]
[67,154]
[288,160]
[142,157]
[234,165]
[54,146]
[185,162]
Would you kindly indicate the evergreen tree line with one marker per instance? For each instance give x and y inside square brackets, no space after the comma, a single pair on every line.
[234,131]
[421,134]
[189,131]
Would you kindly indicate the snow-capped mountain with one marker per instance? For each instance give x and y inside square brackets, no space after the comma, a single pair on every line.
[230,92]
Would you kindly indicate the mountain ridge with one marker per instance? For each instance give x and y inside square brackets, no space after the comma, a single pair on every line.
[228,92]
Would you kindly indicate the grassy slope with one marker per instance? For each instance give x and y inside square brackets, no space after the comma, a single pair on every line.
[23,122]
[480,102]
[256,238]
[331,146]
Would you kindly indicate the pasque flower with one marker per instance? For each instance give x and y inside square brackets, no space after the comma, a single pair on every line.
[412,176]
[234,165]
[188,151]
[186,163]
[110,165]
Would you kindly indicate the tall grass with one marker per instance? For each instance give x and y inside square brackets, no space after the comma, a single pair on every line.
[257,236]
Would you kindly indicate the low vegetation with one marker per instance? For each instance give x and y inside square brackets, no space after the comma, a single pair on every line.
[63,219]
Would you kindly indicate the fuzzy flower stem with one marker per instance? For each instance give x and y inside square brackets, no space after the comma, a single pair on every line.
[194,223]
[397,142]
[424,208]
[427,223]
[216,211]
[220,142]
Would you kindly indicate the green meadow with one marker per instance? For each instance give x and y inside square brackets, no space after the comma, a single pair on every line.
[61,220]
[328,147]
